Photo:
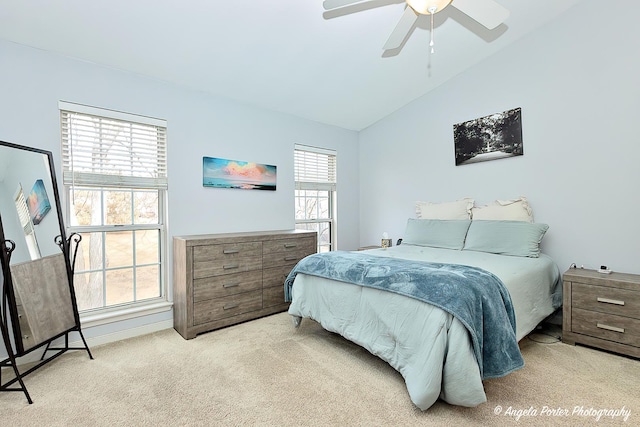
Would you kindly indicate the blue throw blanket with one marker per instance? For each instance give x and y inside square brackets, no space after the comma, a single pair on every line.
[474,296]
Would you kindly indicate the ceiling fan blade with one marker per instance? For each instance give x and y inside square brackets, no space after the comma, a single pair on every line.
[486,12]
[333,4]
[401,30]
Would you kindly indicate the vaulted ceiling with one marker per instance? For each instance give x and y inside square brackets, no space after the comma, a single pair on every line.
[290,56]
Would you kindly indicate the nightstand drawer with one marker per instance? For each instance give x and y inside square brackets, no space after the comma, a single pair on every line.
[609,327]
[602,299]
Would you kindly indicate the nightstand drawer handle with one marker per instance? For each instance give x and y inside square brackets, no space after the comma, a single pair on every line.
[610,328]
[291,258]
[230,306]
[230,266]
[610,301]
[230,251]
[290,245]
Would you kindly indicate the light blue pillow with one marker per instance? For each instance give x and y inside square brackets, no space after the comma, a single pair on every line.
[517,238]
[436,233]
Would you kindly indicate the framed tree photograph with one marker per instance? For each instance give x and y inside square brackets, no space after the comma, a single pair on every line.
[492,137]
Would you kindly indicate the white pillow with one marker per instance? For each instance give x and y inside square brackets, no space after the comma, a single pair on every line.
[504,210]
[460,209]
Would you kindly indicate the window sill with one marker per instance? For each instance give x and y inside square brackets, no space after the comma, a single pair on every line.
[118,314]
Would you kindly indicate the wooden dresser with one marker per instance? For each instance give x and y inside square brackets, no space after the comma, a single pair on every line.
[602,310]
[223,279]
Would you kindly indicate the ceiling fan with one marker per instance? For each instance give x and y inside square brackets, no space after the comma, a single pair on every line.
[487,12]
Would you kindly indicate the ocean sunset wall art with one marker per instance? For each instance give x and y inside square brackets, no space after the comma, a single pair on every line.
[223,173]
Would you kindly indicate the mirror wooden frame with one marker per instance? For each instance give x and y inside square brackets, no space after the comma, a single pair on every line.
[38,297]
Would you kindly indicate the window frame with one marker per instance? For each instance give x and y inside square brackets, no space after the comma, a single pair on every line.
[132,309]
[318,178]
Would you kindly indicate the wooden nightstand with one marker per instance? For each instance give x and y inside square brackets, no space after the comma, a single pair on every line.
[602,310]
[364,248]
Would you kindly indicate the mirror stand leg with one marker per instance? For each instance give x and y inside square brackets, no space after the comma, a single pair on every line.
[18,378]
[85,344]
[11,361]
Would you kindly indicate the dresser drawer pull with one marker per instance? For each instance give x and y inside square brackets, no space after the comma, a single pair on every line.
[290,245]
[290,258]
[230,251]
[610,301]
[610,328]
[230,306]
[230,285]
[230,266]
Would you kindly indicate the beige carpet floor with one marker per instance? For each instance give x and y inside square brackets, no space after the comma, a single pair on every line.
[267,373]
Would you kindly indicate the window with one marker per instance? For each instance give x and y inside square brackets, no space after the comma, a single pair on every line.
[315,193]
[115,181]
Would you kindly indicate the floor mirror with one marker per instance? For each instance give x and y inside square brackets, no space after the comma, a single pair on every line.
[38,310]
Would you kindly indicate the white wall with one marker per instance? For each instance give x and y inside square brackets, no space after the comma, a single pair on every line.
[32,82]
[576,80]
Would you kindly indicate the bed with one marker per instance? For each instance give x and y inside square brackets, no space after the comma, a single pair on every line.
[435,351]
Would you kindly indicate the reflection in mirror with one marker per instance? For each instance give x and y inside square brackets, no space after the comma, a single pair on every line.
[27,224]
[31,219]
[25,175]
[37,283]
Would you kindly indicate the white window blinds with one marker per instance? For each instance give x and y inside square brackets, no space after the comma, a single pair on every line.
[110,148]
[314,168]
[27,225]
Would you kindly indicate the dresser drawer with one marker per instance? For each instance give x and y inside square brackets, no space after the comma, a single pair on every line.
[275,276]
[273,296]
[224,285]
[221,308]
[28,340]
[602,299]
[305,245]
[287,251]
[232,265]
[609,327]
[225,252]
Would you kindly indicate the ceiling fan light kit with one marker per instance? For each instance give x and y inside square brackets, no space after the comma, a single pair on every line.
[428,7]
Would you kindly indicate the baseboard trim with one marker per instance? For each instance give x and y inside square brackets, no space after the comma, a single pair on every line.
[103,339]
[124,334]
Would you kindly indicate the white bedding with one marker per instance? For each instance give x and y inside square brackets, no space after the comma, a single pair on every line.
[429,347]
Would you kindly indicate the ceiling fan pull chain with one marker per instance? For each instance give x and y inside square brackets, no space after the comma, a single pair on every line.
[432,11]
